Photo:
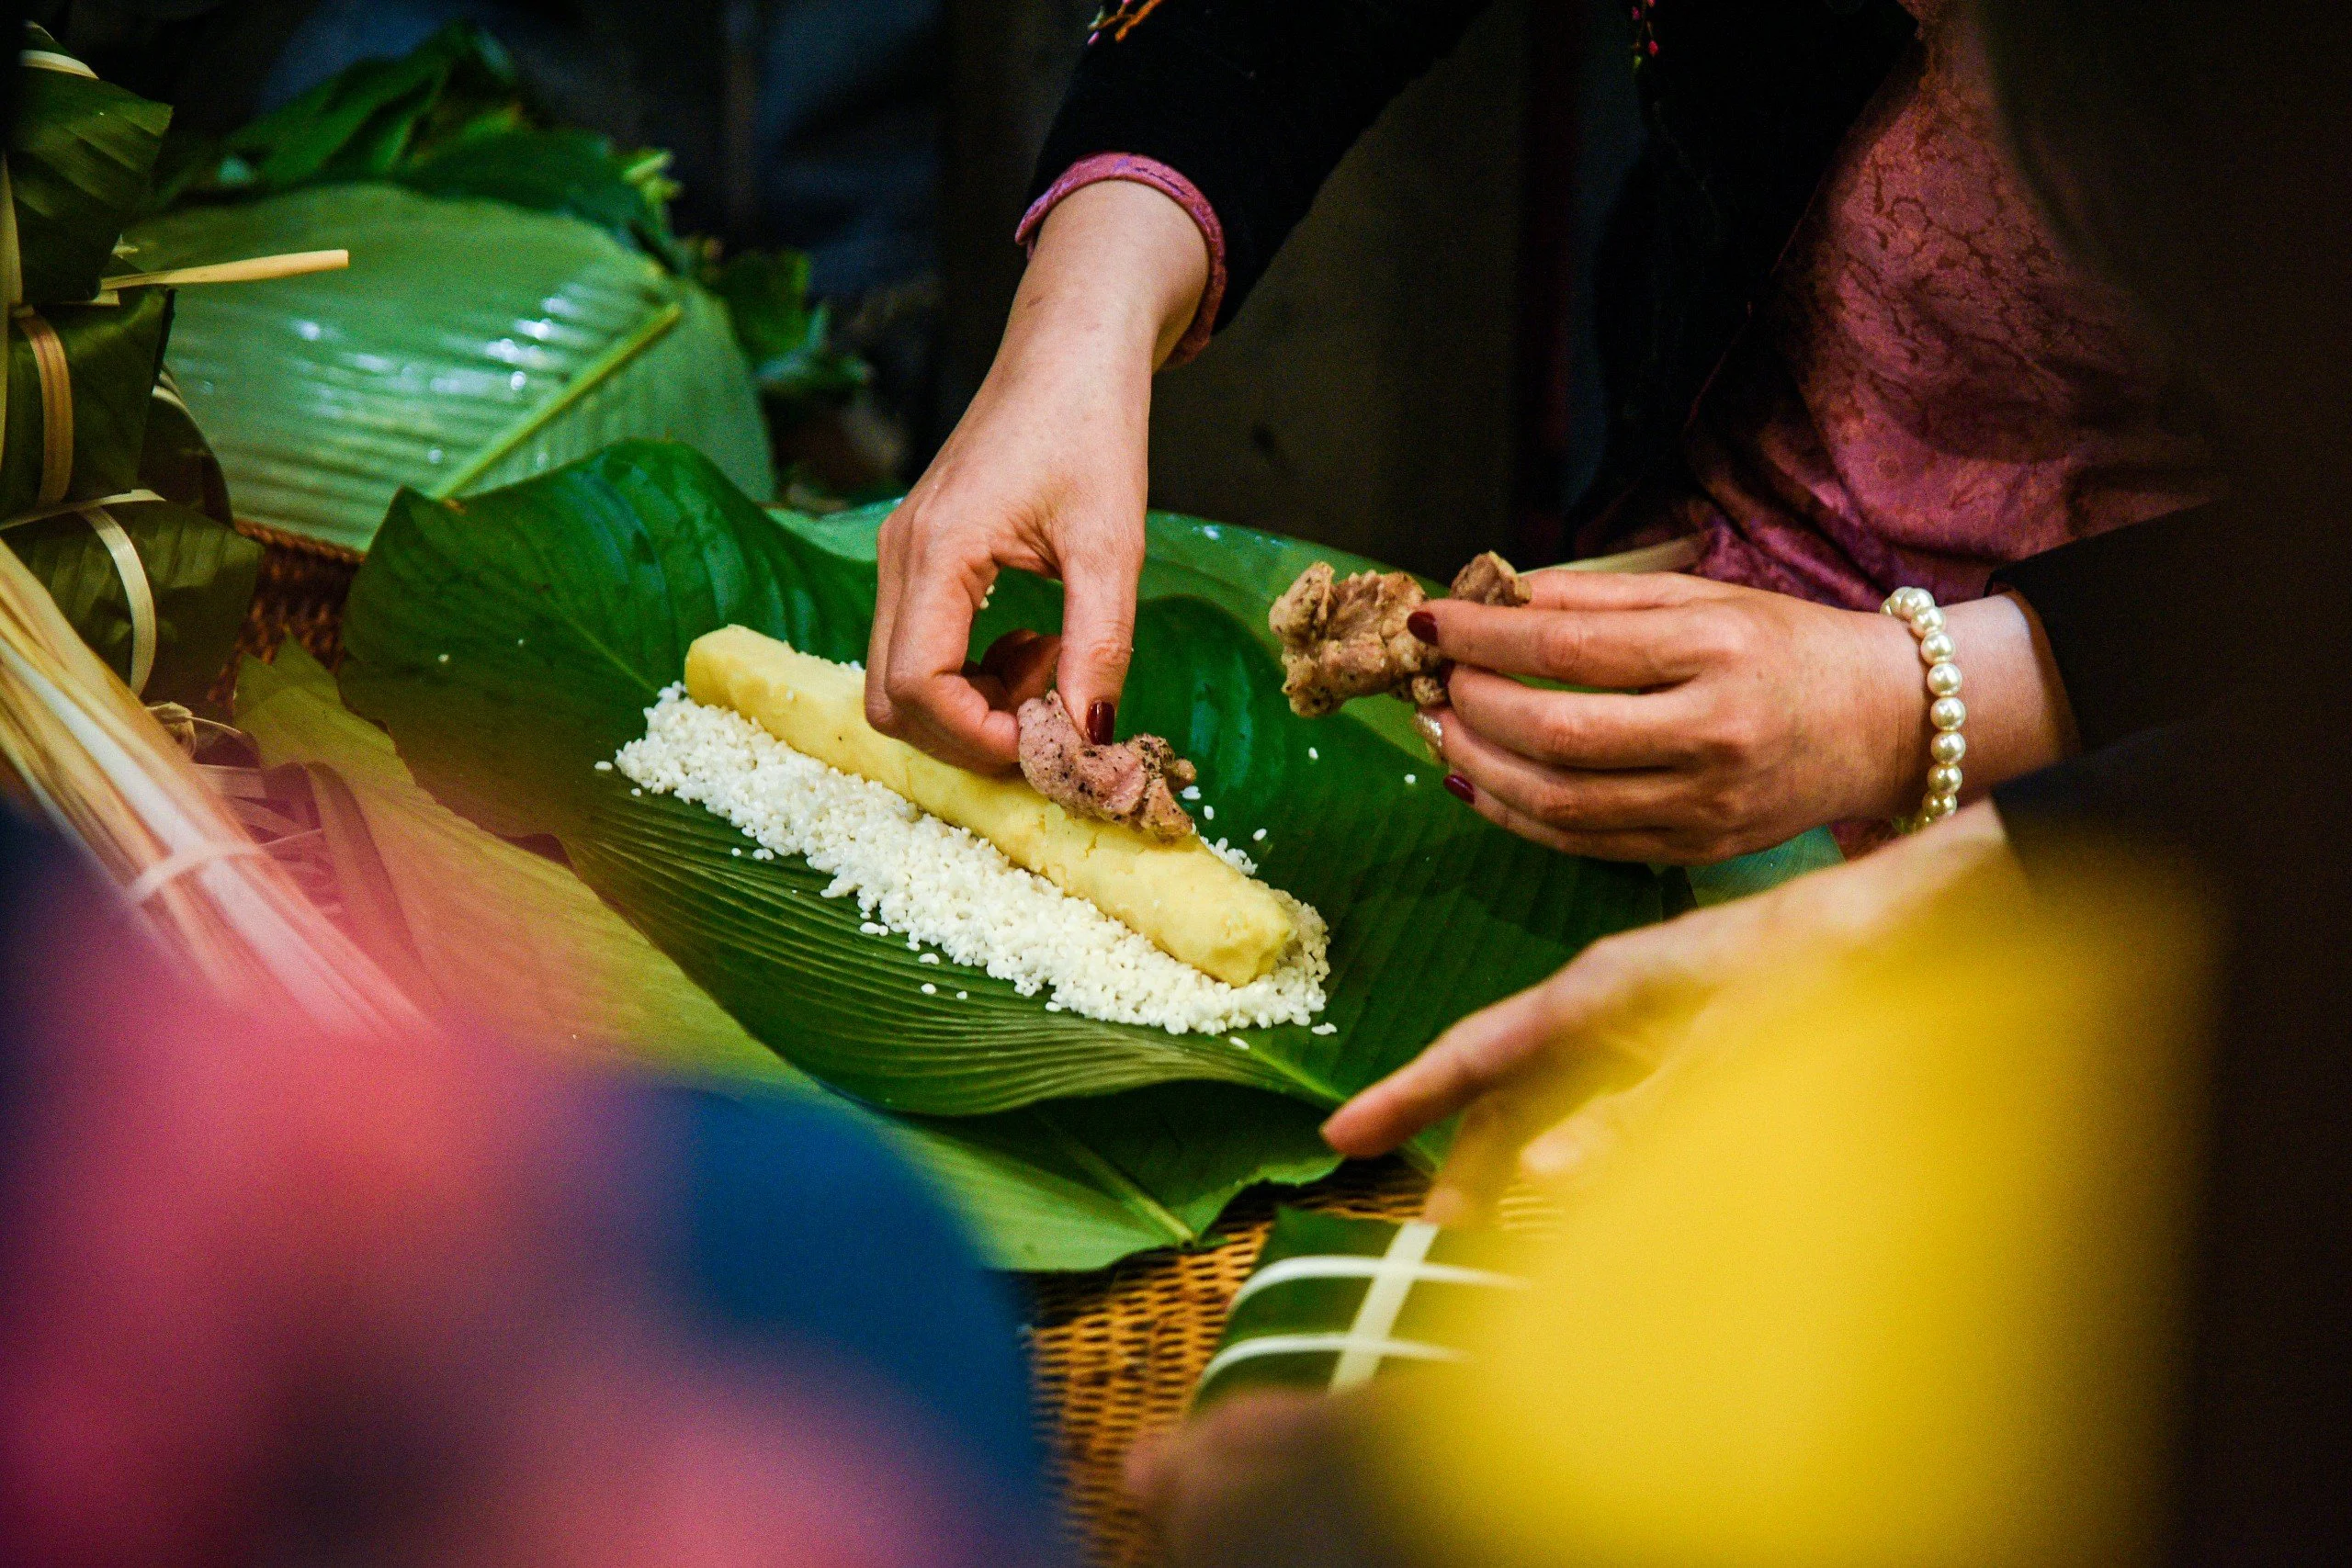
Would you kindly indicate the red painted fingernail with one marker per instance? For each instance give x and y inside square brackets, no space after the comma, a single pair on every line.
[1422,624]
[1100,717]
[1461,789]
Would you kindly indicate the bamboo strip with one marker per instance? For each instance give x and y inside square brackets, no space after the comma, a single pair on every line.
[255,269]
[100,767]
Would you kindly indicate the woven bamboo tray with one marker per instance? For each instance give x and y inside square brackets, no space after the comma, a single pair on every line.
[1115,1352]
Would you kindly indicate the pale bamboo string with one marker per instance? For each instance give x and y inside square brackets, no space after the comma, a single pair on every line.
[49,59]
[153,880]
[254,269]
[95,761]
[56,405]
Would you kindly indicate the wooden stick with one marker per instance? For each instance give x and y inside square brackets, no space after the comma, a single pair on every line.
[260,269]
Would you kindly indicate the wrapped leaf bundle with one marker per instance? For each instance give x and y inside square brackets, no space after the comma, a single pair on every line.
[117,508]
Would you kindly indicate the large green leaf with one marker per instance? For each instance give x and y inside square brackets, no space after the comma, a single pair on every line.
[463,329]
[80,156]
[514,938]
[513,642]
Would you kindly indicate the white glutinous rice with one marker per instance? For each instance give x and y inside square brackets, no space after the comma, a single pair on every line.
[920,879]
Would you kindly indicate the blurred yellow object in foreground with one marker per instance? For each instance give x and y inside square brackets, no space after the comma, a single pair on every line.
[1892,1278]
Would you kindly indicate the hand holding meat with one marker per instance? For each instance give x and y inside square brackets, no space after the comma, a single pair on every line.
[1134,781]
[1044,473]
[1727,719]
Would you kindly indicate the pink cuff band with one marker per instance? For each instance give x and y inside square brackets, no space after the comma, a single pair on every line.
[1177,189]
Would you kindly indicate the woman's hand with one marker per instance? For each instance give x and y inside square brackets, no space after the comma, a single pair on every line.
[1045,472]
[1273,1476]
[1730,718]
[1637,1001]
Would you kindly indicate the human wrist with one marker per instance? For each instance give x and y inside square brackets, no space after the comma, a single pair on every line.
[2018,720]
[1894,729]
[1118,262]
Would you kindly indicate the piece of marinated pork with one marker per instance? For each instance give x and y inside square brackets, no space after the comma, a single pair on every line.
[1134,781]
[1345,638]
[1490,580]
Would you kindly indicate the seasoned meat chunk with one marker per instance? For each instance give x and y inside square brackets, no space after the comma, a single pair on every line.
[1490,580]
[1345,638]
[1134,781]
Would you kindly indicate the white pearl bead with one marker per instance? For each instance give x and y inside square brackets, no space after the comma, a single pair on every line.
[1928,620]
[1944,679]
[1942,806]
[1944,779]
[1947,712]
[1936,648]
[1949,746]
[1906,601]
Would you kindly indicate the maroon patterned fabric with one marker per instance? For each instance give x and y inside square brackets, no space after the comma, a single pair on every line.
[1931,390]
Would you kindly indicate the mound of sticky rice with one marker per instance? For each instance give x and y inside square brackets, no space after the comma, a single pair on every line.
[943,888]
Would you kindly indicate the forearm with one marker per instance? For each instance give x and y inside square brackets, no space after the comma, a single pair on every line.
[1114,281]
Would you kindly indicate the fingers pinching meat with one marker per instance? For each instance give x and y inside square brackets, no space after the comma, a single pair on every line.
[1133,780]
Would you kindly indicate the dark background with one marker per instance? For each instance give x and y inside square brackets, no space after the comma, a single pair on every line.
[1410,380]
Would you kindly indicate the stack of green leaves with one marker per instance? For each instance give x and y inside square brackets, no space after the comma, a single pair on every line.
[79,160]
[516,299]
[513,642]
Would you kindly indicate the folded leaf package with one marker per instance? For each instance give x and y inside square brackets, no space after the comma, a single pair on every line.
[106,490]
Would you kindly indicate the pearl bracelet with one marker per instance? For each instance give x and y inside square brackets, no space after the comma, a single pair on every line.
[1917,607]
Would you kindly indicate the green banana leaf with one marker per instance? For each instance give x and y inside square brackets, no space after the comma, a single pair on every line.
[200,569]
[470,344]
[201,574]
[786,337]
[471,921]
[449,118]
[365,122]
[511,643]
[80,157]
